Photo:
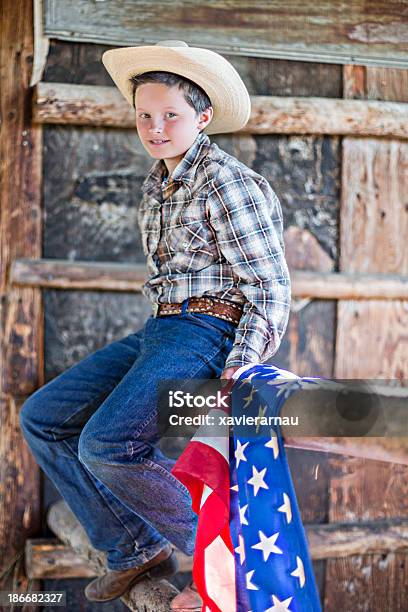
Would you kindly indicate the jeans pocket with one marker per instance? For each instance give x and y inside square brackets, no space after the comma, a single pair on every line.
[213,323]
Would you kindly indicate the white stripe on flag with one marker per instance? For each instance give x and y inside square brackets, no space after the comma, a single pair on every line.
[220,575]
[206,493]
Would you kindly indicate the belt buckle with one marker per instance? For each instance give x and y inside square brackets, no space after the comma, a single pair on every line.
[155,308]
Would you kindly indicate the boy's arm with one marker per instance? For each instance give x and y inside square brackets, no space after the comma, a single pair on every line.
[247,219]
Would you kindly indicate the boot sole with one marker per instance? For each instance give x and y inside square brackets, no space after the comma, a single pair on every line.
[164,569]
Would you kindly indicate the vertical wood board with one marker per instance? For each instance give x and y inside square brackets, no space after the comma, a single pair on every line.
[21,329]
[371,343]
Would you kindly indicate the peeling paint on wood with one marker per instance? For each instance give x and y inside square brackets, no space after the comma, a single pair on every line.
[373,32]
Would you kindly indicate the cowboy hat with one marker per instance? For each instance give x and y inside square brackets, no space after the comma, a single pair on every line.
[212,72]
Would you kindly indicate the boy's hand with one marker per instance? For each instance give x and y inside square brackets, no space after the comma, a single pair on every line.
[228,372]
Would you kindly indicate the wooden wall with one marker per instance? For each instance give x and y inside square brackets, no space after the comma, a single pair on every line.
[343,201]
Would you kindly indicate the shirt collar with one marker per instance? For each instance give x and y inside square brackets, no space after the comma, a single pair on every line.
[185,169]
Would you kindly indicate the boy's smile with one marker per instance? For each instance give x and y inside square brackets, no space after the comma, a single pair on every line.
[167,125]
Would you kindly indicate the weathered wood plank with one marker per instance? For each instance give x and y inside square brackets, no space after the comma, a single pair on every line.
[361,491]
[19,495]
[112,276]
[371,343]
[309,31]
[63,274]
[348,286]
[21,354]
[375,329]
[375,206]
[21,214]
[388,450]
[376,81]
[104,106]
[49,558]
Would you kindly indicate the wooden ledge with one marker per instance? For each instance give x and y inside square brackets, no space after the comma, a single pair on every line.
[112,276]
[93,105]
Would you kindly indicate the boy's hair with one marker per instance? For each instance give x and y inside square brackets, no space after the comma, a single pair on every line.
[194,95]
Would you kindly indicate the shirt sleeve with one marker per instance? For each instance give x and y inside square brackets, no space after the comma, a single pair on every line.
[246,216]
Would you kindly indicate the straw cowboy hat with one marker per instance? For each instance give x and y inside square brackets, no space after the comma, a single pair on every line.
[212,72]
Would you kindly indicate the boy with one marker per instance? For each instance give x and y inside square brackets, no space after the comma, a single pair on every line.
[212,232]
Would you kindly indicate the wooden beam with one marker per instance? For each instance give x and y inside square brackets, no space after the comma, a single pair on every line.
[48,558]
[367,32]
[105,106]
[336,286]
[335,540]
[146,596]
[52,559]
[112,276]
[21,330]
[388,450]
[63,274]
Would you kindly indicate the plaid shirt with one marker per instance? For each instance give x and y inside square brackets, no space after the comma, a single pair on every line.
[214,227]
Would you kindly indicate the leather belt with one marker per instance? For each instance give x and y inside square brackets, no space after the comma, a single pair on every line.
[214,306]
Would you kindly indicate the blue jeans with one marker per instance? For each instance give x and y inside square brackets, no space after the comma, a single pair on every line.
[93,430]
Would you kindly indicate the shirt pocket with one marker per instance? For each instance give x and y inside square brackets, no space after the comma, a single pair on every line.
[190,245]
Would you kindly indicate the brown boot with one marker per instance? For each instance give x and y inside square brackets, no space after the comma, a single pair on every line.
[188,600]
[116,582]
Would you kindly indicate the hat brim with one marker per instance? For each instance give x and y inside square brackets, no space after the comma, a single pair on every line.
[212,72]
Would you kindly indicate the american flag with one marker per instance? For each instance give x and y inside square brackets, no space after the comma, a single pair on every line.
[251,552]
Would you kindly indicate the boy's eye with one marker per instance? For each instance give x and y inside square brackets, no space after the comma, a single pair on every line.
[143,115]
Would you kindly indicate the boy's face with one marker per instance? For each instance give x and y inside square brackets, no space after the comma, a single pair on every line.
[163,114]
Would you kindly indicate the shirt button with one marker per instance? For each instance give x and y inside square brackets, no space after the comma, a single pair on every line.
[185,244]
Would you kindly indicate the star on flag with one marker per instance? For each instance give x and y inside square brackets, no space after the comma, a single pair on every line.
[286,508]
[267,545]
[279,606]
[257,480]
[239,452]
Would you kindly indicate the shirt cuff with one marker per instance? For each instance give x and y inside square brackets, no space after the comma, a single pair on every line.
[241,355]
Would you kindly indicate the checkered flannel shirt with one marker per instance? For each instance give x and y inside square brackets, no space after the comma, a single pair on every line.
[214,228]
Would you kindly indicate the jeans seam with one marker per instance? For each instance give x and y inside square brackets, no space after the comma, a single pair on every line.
[106,502]
[53,431]
[169,476]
